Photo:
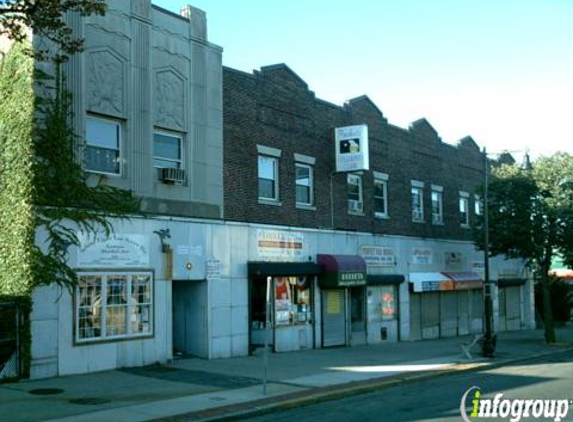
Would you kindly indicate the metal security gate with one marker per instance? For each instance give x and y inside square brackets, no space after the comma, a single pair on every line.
[9,340]
[448,314]
[430,315]
[513,308]
[333,318]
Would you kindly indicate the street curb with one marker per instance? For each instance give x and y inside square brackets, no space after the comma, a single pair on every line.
[312,396]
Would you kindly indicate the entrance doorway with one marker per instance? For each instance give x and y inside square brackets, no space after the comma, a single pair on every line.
[357,315]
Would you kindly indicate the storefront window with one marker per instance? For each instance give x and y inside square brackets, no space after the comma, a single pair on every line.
[382,303]
[113,305]
[388,303]
[292,300]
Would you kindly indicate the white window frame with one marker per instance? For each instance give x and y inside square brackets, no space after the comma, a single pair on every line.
[438,218]
[355,207]
[310,186]
[381,178]
[119,146]
[275,175]
[417,188]
[464,202]
[181,150]
[103,306]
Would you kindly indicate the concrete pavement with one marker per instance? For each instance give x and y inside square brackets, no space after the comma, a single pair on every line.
[203,389]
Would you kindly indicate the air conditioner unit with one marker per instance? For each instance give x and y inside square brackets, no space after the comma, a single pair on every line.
[356,207]
[172,175]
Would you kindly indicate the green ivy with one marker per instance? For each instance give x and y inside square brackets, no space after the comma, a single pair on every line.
[43,185]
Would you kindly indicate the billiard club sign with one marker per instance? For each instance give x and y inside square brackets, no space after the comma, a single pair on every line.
[351,148]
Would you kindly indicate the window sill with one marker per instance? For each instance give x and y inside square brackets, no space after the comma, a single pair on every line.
[357,214]
[102,173]
[418,221]
[306,207]
[438,223]
[381,216]
[465,226]
[270,202]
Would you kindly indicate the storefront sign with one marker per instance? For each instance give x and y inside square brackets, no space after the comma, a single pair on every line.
[430,282]
[119,250]
[274,245]
[453,259]
[351,148]
[378,256]
[351,279]
[422,256]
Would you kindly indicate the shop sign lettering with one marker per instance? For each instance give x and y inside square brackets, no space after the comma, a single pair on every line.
[274,245]
[422,256]
[378,256]
[117,250]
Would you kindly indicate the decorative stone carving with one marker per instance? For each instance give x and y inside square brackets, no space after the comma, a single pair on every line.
[169,100]
[105,83]
[141,8]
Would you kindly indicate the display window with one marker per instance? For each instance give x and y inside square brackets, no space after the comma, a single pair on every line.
[292,300]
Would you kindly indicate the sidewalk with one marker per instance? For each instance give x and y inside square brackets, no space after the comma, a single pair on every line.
[208,389]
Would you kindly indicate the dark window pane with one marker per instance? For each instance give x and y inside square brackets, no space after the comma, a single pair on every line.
[303,194]
[266,188]
[165,146]
[100,159]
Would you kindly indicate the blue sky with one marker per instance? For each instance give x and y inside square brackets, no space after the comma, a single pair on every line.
[498,70]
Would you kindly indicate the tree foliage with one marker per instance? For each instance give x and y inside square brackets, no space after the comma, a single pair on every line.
[46,18]
[44,187]
[531,217]
[17,222]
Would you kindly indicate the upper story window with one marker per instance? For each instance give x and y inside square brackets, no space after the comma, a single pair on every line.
[103,146]
[268,178]
[380,195]
[478,205]
[437,207]
[304,184]
[355,194]
[113,305]
[417,195]
[167,150]
[464,209]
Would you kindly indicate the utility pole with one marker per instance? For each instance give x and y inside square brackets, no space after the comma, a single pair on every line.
[489,340]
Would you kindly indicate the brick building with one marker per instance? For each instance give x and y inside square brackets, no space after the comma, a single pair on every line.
[407,217]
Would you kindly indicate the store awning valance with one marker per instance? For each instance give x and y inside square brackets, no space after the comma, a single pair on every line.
[384,279]
[342,271]
[430,282]
[465,280]
[266,269]
[509,282]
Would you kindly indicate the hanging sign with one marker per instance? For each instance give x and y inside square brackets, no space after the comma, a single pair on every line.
[351,144]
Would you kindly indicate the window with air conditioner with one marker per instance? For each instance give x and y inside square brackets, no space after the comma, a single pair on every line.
[355,194]
[103,146]
[168,157]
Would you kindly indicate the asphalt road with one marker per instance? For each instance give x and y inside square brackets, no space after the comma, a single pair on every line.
[439,399]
